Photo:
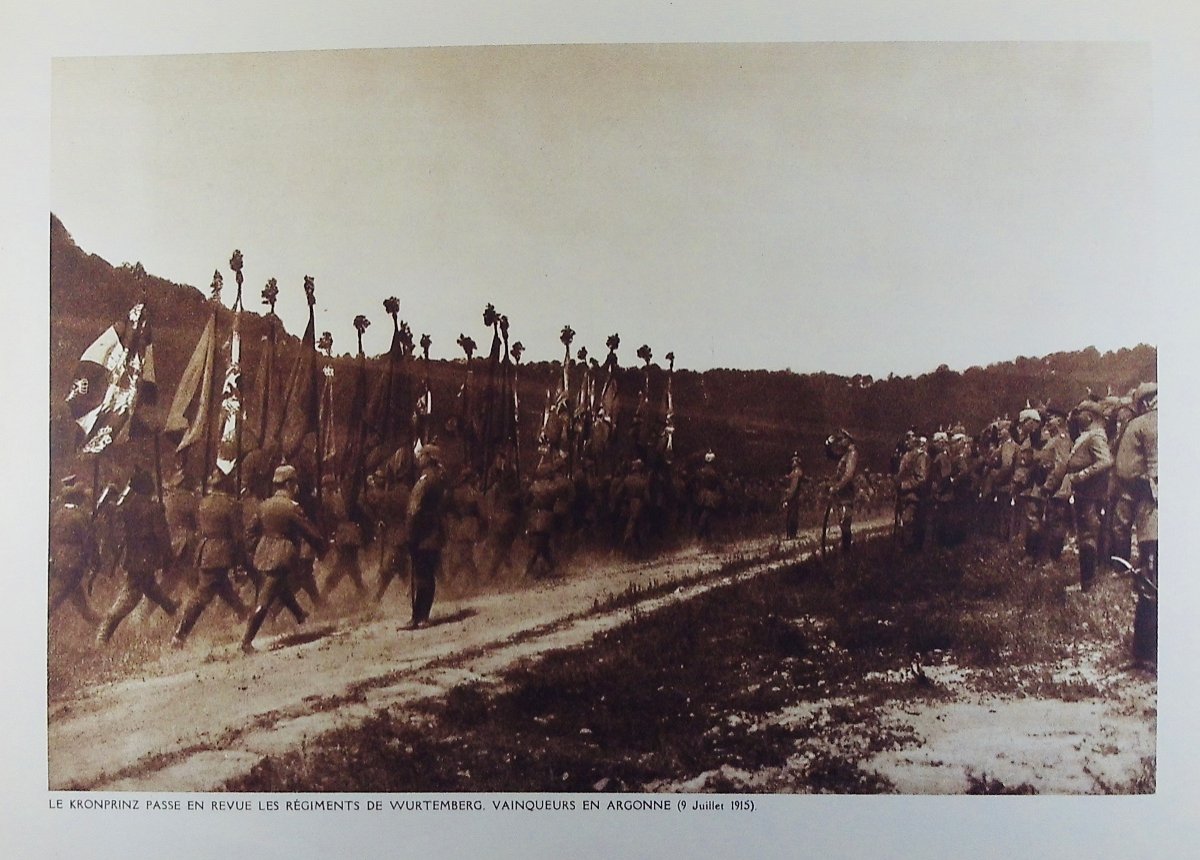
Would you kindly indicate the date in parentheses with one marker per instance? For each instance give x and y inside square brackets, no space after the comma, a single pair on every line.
[741,806]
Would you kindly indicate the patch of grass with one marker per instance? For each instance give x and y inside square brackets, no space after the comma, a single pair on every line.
[983,784]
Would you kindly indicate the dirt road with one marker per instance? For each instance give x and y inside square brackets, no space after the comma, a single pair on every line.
[192,719]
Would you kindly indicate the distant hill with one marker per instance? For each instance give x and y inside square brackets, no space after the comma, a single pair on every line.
[754,419]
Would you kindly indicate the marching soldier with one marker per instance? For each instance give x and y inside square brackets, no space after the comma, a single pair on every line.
[840,446]
[466,527]
[219,551]
[634,500]
[543,497]
[791,498]
[344,535]
[1085,468]
[180,504]
[426,535]
[73,551]
[503,502]
[388,505]
[147,549]
[281,524]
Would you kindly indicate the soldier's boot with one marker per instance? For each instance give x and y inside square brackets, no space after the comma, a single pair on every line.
[1087,567]
[846,540]
[252,627]
[1145,616]
[1033,543]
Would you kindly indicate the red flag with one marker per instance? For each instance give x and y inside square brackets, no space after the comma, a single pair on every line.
[114,374]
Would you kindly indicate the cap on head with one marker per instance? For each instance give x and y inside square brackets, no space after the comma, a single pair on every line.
[1029,414]
[710,457]
[285,474]
[1147,392]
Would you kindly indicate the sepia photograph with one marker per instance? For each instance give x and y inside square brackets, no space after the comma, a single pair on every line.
[500,430]
[703,438]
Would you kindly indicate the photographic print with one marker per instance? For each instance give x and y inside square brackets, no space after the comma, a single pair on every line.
[645,420]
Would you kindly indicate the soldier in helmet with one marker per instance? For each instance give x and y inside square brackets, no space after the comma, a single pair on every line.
[1026,482]
[840,491]
[73,550]
[147,548]
[633,501]
[219,551]
[426,532]
[180,504]
[281,524]
[1056,493]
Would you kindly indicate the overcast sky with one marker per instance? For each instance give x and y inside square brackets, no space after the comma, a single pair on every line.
[849,207]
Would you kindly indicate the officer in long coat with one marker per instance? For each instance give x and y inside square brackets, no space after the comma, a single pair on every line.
[146,550]
[281,525]
[219,550]
[386,501]
[426,532]
[73,550]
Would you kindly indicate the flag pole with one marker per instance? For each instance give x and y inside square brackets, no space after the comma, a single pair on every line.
[217,281]
[235,263]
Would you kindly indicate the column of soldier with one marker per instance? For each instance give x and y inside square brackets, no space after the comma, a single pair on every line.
[1092,470]
[419,500]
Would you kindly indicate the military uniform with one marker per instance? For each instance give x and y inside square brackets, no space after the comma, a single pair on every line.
[280,524]
[1136,473]
[710,496]
[635,497]
[1051,529]
[73,552]
[220,549]
[147,548]
[791,500]
[912,483]
[841,488]
[543,500]
[388,506]
[426,534]
[1086,470]
[345,537]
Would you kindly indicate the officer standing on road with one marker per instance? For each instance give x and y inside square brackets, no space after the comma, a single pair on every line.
[912,482]
[426,532]
[282,525]
[147,548]
[220,550]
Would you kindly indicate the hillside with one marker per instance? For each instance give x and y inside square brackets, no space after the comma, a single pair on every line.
[753,418]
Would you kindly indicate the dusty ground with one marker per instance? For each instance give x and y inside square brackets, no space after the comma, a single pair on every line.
[168,720]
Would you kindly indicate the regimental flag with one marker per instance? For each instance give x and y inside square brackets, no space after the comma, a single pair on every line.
[229,441]
[325,411]
[114,374]
[191,408]
[265,403]
[300,405]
